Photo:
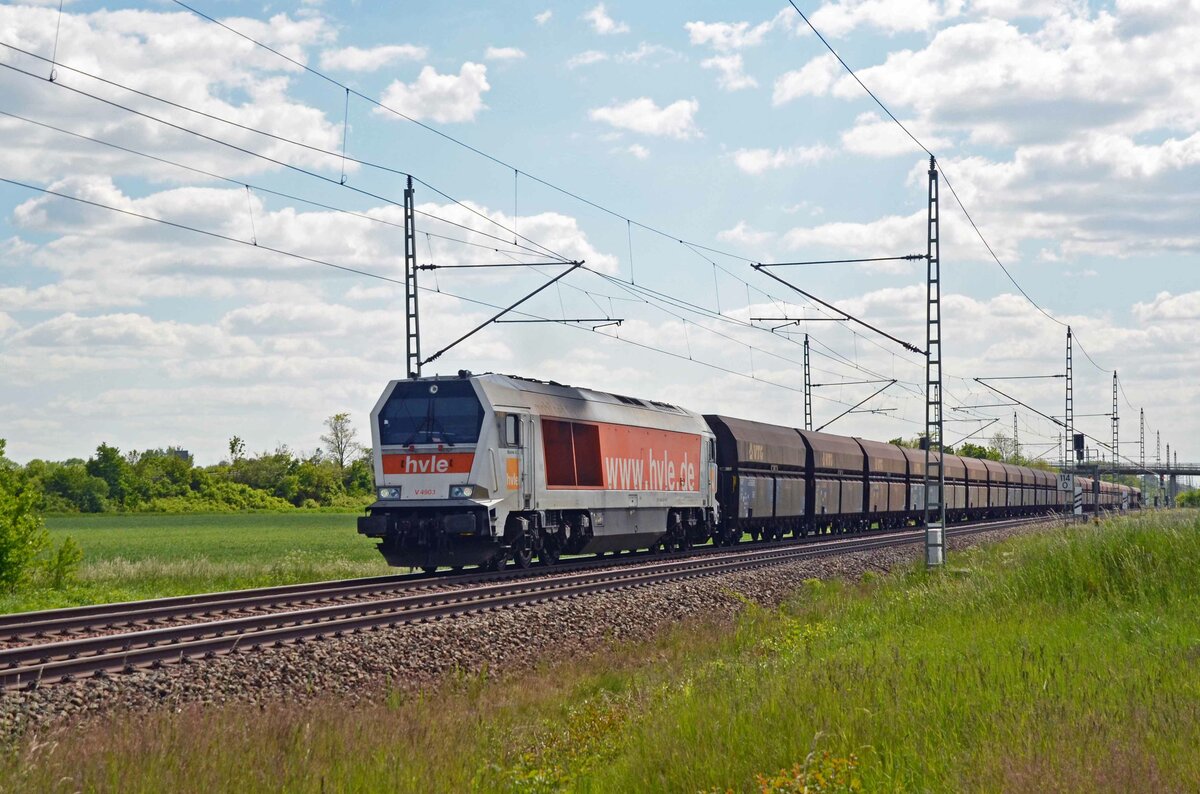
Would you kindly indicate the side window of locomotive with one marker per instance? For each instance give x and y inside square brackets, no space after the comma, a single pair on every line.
[512,430]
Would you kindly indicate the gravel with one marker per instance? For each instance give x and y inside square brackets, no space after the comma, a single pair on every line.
[418,655]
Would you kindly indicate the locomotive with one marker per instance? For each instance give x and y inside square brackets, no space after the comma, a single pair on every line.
[482,469]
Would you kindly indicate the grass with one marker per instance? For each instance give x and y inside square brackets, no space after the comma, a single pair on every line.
[1065,661]
[150,555]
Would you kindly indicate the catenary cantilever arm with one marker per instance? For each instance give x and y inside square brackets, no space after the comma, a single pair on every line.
[502,312]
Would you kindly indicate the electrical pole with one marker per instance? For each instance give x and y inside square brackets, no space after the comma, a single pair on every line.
[1142,446]
[1158,464]
[1170,479]
[1116,420]
[1069,410]
[412,321]
[807,389]
[1016,440]
[935,474]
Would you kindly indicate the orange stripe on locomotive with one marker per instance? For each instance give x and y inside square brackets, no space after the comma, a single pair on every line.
[612,457]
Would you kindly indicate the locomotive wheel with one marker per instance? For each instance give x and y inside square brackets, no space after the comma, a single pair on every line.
[549,553]
[429,569]
[522,551]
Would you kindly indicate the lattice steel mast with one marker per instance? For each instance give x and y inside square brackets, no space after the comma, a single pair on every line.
[412,321]
[1016,440]
[1069,409]
[935,475]
[1142,438]
[1116,421]
[807,388]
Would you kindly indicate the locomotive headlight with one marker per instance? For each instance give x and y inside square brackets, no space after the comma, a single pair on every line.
[389,493]
[468,492]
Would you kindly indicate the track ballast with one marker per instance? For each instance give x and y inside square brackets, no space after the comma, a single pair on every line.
[315,611]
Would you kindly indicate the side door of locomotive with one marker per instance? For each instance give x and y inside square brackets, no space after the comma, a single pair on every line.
[518,438]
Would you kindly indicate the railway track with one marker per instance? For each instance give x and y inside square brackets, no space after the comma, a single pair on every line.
[313,612]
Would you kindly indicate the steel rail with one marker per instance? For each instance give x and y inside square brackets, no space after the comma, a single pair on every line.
[66,661]
[25,626]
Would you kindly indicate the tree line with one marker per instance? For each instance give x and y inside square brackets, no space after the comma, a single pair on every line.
[340,474]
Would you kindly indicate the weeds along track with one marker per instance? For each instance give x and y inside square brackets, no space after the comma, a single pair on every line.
[125,637]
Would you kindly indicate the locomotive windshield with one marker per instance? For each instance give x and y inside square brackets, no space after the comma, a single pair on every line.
[441,412]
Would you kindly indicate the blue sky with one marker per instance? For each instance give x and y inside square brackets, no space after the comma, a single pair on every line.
[1069,131]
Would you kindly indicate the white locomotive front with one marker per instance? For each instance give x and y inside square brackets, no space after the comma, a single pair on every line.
[476,470]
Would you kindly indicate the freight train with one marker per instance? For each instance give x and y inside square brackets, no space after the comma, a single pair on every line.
[482,469]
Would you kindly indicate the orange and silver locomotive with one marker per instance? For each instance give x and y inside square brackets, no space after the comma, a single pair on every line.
[477,470]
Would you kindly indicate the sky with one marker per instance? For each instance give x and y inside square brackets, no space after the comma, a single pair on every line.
[238,269]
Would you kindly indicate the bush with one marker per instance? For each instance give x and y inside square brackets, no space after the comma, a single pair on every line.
[63,565]
[23,536]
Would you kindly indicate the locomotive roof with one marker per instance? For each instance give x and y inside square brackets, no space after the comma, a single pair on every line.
[563,391]
[548,398]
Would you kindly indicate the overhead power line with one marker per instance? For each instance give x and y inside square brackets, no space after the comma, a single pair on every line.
[945,176]
[290,166]
[456,141]
[368,274]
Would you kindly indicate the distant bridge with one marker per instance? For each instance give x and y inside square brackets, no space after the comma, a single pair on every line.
[1178,470]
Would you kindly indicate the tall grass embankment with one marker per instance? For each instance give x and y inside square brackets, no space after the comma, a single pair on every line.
[1063,661]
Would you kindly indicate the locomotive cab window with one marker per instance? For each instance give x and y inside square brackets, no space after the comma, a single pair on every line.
[424,412]
[512,430]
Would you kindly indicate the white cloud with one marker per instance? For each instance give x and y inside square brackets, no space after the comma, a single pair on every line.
[676,120]
[638,151]
[602,23]
[730,36]
[732,76]
[355,59]
[756,161]
[543,17]
[646,51]
[745,234]
[878,137]
[441,97]
[1168,308]
[504,54]
[893,16]
[586,58]
[815,78]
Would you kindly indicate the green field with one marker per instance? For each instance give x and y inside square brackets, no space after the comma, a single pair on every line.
[1064,661]
[149,555]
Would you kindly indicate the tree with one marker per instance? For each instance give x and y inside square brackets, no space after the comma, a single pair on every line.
[1003,443]
[76,488]
[237,449]
[109,466]
[969,450]
[340,440]
[23,536]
